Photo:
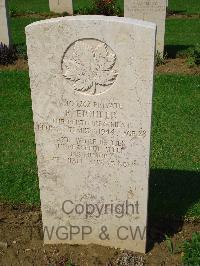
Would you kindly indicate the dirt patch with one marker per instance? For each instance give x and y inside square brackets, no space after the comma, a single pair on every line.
[47,15]
[177,66]
[37,15]
[172,15]
[21,243]
[20,64]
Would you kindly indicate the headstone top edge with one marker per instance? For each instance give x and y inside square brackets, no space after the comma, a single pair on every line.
[125,20]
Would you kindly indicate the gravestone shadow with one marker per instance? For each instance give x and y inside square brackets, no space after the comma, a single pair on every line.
[171,194]
[173,50]
[176,12]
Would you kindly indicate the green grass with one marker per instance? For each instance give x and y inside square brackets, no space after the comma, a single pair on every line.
[191,250]
[39,6]
[178,37]
[181,34]
[18,33]
[182,31]
[176,130]
[174,182]
[29,6]
[18,181]
[185,6]
[42,6]
[81,4]
[18,29]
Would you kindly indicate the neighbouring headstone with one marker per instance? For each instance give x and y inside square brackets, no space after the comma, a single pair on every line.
[91,86]
[4,24]
[149,10]
[61,6]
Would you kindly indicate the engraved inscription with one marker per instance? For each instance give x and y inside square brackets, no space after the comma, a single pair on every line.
[92,132]
[148,6]
[90,66]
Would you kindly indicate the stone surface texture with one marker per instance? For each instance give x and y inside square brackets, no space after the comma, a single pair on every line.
[149,10]
[4,23]
[60,6]
[91,87]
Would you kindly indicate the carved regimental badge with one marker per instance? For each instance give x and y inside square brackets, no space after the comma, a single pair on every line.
[90,66]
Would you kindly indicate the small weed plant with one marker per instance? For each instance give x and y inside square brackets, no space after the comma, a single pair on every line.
[191,251]
[8,55]
[160,58]
[193,56]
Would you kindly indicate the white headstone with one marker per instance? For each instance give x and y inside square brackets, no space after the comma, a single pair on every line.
[149,10]
[91,86]
[60,6]
[4,24]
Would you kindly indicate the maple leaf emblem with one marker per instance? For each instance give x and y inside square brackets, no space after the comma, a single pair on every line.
[89,66]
